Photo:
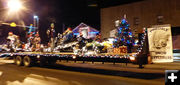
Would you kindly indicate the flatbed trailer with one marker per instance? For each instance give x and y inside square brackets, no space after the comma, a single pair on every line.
[43,58]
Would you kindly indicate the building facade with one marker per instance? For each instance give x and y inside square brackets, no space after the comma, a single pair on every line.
[141,14]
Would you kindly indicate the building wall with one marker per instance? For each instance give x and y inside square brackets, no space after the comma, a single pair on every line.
[141,14]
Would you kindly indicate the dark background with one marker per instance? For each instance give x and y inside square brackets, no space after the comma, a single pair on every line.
[70,13]
[64,13]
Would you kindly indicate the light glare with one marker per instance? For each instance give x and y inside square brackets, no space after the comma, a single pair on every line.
[14,5]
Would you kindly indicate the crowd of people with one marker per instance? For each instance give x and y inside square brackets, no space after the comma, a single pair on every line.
[33,42]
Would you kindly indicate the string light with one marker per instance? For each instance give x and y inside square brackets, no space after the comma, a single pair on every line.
[142,42]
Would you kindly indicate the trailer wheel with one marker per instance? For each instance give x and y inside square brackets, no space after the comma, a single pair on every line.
[19,61]
[27,61]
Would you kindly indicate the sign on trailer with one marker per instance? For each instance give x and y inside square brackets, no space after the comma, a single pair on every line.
[160,43]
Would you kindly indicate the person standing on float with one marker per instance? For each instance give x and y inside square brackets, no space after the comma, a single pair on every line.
[12,40]
[37,42]
[51,35]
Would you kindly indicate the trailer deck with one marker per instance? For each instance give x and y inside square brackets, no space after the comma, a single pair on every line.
[30,58]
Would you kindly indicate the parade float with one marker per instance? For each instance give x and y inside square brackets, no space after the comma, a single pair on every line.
[80,44]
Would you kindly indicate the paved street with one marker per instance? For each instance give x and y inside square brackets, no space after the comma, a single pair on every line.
[66,74]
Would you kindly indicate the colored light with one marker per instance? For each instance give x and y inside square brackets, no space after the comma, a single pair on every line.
[93,32]
[123,21]
[130,33]
[35,17]
[128,41]
[76,33]
[13,24]
[122,39]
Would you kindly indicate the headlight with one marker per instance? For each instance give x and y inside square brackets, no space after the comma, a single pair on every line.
[132,58]
[74,57]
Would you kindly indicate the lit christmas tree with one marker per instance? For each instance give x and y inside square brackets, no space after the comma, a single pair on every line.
[124,36]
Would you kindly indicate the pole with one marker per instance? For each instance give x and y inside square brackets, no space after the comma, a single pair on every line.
[37,23]
[34,22]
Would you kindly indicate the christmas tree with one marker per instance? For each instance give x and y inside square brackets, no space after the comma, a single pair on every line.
[124,35]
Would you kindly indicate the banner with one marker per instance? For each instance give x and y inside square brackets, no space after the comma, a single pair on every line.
[160,43]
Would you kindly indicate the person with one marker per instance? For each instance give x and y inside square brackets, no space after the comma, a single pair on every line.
[11,37]
[59,39]
[37,42]
[30,39]
[12,40]
[51,34]
[18,43]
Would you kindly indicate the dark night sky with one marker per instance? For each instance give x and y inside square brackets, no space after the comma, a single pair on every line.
[67,12]
[72,12]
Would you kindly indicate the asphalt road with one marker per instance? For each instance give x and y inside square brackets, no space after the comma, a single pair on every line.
[11,74]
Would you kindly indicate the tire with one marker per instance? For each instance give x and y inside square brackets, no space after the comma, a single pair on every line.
[19,61]
[27,61]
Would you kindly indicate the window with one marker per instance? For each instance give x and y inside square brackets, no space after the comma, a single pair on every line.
[160,19]
[177,5]
[136,21]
